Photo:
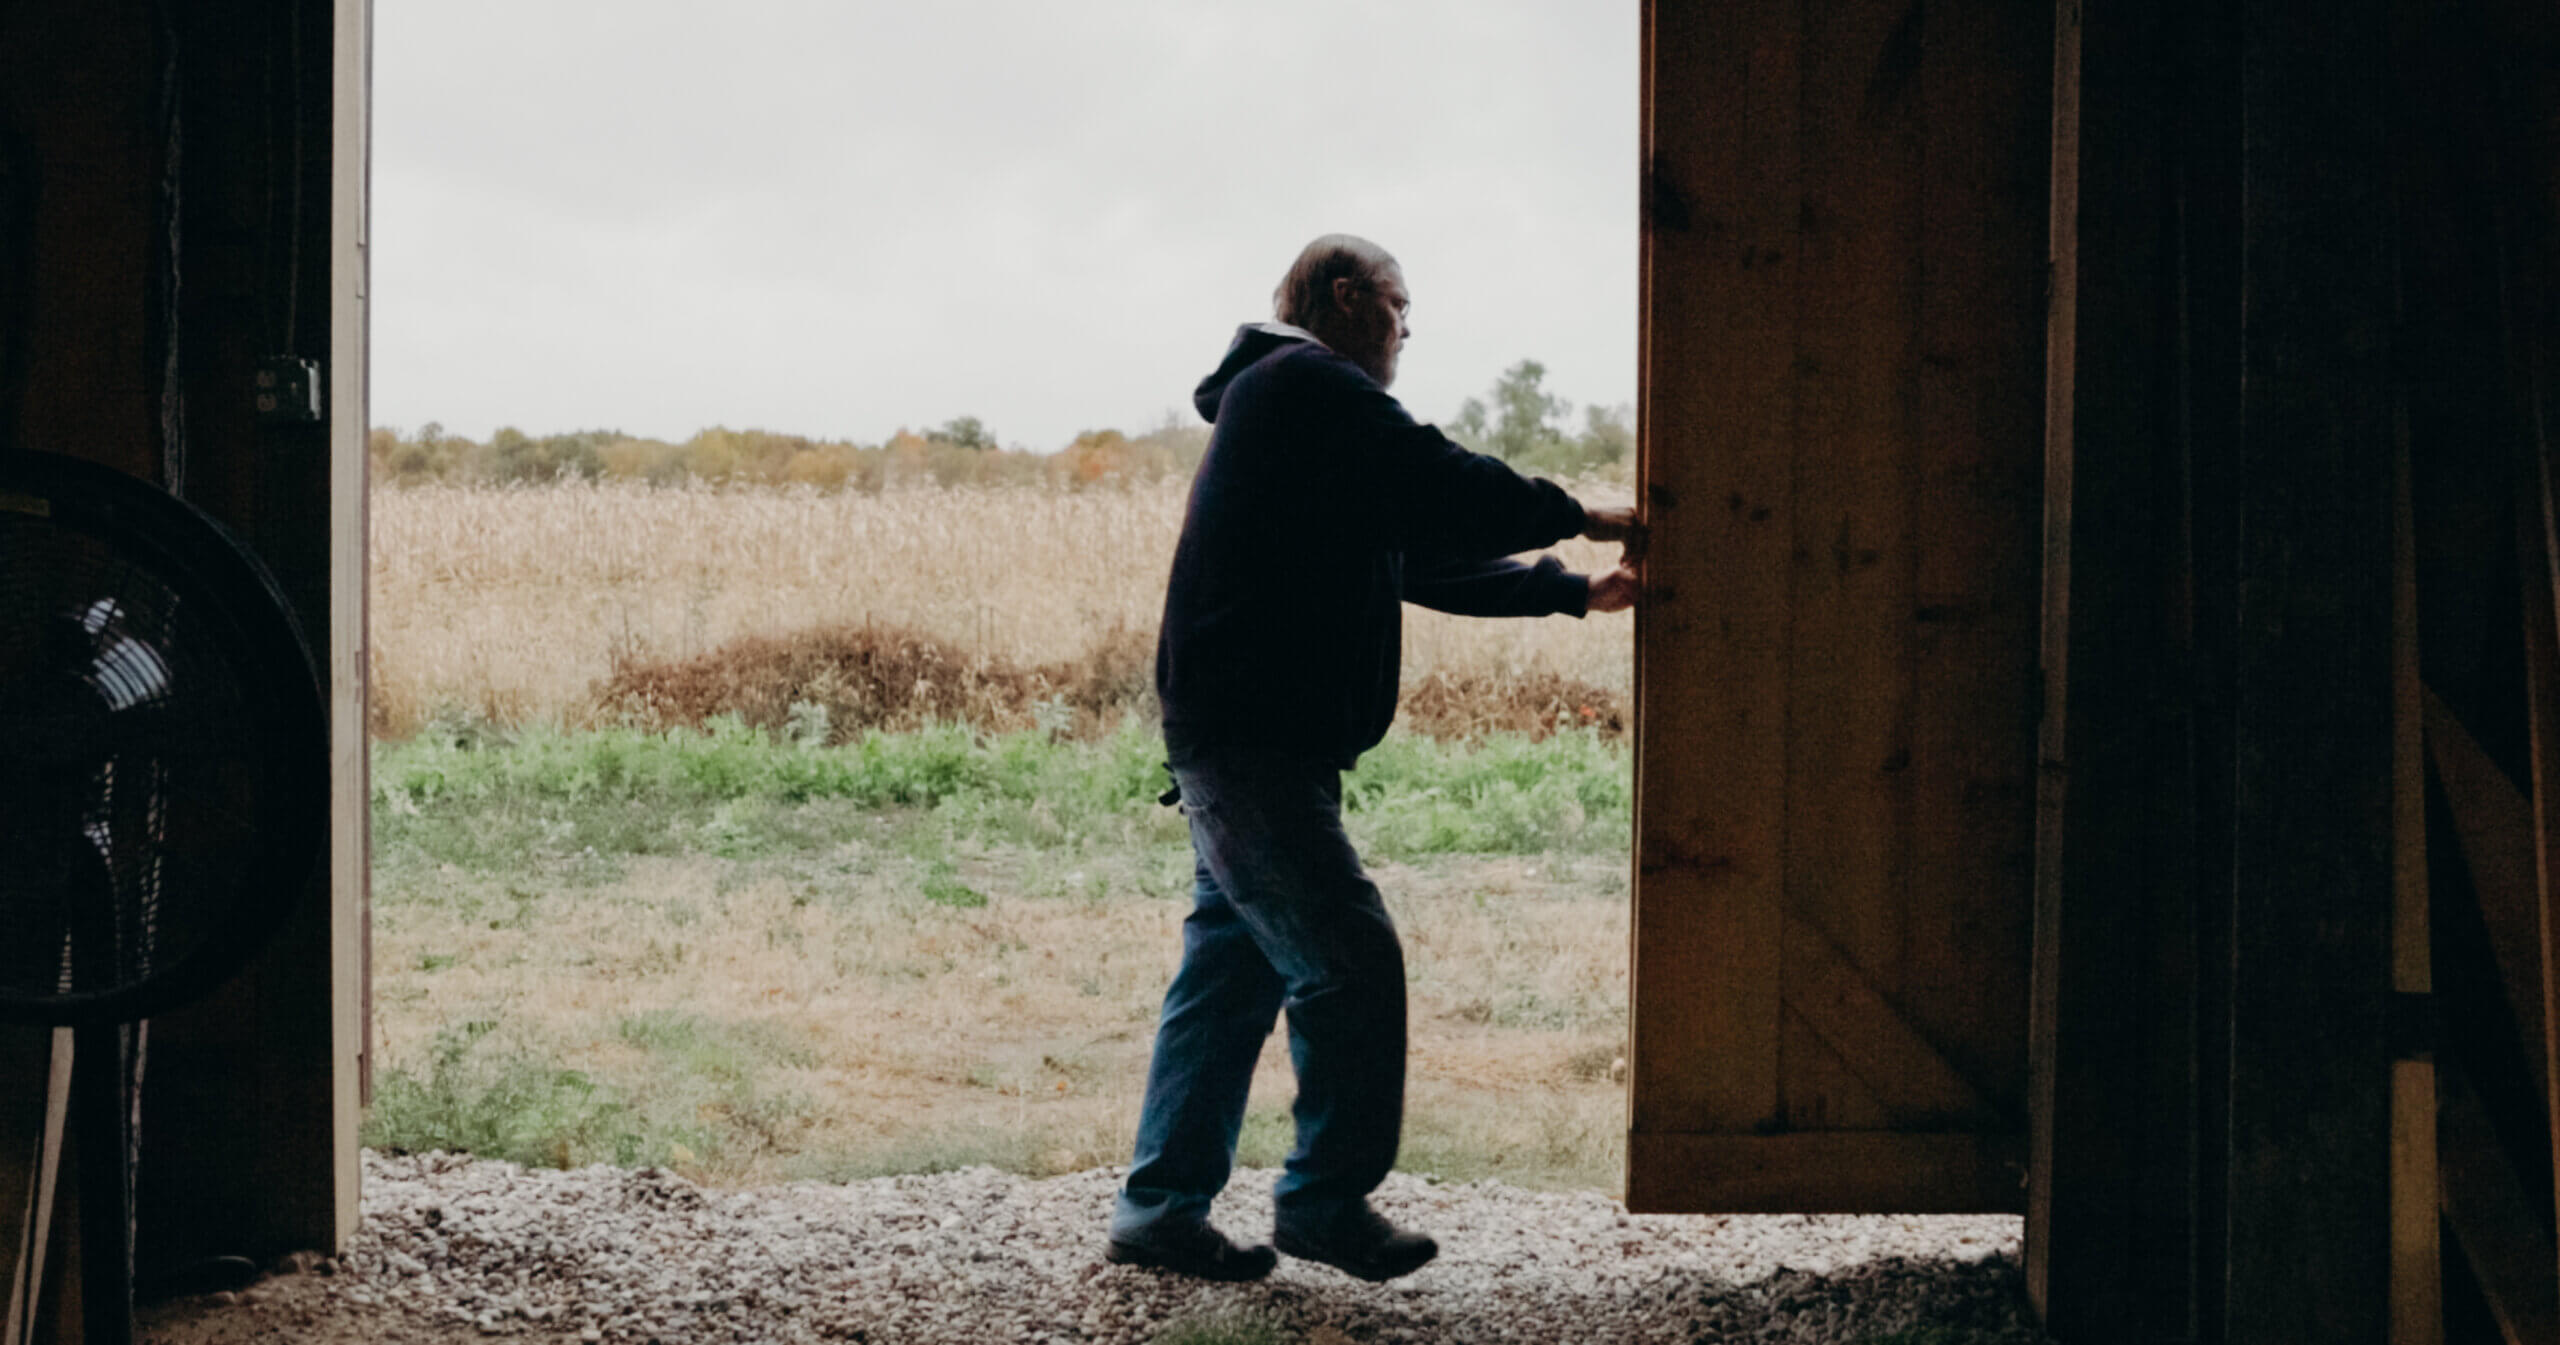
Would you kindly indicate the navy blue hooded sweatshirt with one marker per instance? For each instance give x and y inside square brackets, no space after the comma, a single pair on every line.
[1320,508]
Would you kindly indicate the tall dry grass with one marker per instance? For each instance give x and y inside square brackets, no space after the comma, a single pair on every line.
[513,603]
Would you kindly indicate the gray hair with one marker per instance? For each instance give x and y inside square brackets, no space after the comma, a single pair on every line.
[1306,292]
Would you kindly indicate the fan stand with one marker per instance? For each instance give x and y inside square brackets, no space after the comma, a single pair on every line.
[91,1098]
[17,1326]
[106,1077]
[243,636]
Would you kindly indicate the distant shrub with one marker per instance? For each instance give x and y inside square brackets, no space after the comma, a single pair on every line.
[834,684]
[1535,703]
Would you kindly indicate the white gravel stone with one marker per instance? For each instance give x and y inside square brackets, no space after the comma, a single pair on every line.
[614,1255]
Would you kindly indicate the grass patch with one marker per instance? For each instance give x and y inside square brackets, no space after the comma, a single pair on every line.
[699,1101]
[482,1092]
[750,958]
[722,1052]
[1223,1328]
[1554,1141]
[491,803]
[1004,1148]
[943,888]
[1504,794]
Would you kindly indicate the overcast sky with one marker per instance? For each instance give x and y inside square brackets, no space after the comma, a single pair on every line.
[838,219]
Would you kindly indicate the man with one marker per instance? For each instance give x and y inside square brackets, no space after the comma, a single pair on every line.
[1319,509]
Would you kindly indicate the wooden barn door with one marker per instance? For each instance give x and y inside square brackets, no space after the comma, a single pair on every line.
[1843,373]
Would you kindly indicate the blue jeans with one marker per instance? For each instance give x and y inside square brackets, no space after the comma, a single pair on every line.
[1283,917]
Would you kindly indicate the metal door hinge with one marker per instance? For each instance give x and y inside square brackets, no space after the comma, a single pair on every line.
[287,390]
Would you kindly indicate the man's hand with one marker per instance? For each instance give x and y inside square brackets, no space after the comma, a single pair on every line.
[1615,591]
[1615,525]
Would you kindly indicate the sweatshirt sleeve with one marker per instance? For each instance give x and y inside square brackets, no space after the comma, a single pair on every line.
[1416,491]
[1500,587]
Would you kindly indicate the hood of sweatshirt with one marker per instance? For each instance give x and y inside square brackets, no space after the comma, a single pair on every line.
[1253,341]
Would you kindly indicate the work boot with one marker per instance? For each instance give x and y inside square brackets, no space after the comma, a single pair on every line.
[1361,1242]
[1192,1249]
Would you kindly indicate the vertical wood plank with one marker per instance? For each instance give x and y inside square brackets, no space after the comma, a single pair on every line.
[2494,1224]
[2308,1231]
[2538,563]
[350,177]
[1627,1178]
[1722,195]
[2417,1293]
[2495,828]
[2524,37]
[1857,245]
[2110,1161]
[2048,1143]
[79,87]
[1985,89]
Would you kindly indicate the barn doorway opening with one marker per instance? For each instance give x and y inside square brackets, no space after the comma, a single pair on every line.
[762,621]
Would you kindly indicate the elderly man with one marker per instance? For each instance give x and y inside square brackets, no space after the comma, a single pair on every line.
[1320,508]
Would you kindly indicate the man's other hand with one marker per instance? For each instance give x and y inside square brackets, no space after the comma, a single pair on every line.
[1615,591]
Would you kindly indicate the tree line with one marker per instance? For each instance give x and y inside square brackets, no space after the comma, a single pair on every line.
[1516,420]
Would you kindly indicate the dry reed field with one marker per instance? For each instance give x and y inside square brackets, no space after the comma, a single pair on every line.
[511,604]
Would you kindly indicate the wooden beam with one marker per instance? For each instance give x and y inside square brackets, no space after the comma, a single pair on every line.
[2050,1142]
[1903,1068]
[2495,828]
[32,1125]
[2524,37]
[350,309]
[1852,383]
[2308,1224]
[1977,416]
[1831,1171]
[2112,1108]
[2538,564]
[2417,1257]
[1722,198]
[2511,1257]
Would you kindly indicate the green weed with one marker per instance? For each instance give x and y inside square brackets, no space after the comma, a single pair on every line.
[486,1091]
[943,888]
[1501,794]
[729,1052]
[1224,1328]
[1266,1136]
[712,1071]
[499,1099]
[1006,1149]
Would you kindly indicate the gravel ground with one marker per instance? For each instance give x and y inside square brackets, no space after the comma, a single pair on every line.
[455,1248]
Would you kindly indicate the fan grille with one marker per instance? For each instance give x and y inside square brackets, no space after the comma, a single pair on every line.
[148,754]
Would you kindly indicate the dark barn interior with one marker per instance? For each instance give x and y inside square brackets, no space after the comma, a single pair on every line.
[181,194]
[2096,735]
